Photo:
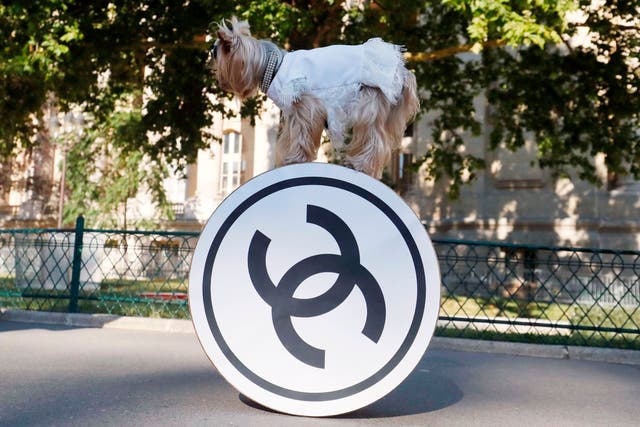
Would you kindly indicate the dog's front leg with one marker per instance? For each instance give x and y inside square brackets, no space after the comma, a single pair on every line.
[301,131]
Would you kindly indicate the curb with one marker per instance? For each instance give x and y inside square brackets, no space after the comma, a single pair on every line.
[106,321]
[500,347]
[570,352]
[109,321]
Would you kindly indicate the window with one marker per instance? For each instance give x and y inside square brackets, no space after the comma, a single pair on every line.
[231,162]
[398,174]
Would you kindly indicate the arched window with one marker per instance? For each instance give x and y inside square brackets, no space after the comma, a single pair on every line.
[231,162]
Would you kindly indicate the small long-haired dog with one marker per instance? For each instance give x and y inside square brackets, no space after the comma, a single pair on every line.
[362,91]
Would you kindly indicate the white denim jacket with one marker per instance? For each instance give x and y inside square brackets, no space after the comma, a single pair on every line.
[335,74]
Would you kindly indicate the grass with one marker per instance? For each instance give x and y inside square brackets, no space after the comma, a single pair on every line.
[164,309]
[454,305]
[119,297]
[576,315]
[122,286]
[577,338]
[7,282]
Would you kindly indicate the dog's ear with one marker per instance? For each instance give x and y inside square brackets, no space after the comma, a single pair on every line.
[229,32]
[225,35]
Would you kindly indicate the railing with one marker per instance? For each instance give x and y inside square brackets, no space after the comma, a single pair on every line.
[564,295]
[9,210]
[489,290]
[97,271]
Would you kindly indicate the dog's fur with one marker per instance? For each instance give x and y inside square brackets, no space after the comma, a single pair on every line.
[377,126]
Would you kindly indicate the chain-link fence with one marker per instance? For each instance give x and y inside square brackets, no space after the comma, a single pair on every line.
[551,294]
[489,290]
[132,273]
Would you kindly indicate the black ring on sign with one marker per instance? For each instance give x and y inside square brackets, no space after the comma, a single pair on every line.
[420,290]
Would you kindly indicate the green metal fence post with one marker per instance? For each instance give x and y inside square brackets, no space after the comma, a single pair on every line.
[76,265]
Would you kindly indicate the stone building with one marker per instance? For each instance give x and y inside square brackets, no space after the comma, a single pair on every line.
[511,201]
[30,187]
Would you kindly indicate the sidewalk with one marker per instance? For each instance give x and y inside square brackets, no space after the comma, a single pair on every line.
[57,375]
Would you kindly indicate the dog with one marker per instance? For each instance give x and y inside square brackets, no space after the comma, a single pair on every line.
[363,94]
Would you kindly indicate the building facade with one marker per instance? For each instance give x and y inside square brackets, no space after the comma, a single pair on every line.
[30,187]
[514,201]
[511,200]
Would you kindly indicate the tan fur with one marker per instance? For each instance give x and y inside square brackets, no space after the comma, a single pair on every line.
[370,146]
[404,112]
[377,125]
[301,132]
[239,59]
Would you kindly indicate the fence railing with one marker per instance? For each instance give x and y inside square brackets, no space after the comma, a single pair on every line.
[565,295]
[133,273]
[489,290]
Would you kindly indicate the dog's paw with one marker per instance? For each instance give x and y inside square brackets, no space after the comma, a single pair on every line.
[348,165]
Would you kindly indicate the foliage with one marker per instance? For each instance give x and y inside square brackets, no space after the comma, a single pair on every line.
[108,166]
[520,23]
[103,55]
[97,54]
[442,38]
[578,100]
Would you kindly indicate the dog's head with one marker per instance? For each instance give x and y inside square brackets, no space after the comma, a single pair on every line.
[237,58]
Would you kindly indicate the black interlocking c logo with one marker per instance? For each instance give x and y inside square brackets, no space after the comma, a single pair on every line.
[350,273]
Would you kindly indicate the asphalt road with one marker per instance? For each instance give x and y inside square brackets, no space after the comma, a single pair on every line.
[62,376]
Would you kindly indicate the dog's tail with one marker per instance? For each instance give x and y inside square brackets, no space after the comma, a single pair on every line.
[404,111]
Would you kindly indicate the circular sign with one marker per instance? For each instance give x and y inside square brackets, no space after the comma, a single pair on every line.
[314,289]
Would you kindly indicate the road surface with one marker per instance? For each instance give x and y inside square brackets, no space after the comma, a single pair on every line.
[62,376]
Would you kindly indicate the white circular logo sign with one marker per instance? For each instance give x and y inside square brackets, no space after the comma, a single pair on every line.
[314,289]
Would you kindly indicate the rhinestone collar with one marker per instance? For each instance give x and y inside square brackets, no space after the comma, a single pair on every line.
[273,58]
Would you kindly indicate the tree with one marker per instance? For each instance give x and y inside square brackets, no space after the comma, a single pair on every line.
[150,58]
[578,99]
[106,56]
[110,167]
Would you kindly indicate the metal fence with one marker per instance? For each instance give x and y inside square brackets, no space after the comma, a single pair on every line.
[549,294]
[133,273]
[489,290]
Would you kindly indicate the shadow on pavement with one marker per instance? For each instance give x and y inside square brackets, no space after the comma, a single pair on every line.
[8,326]
[107,401]
[424,390]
